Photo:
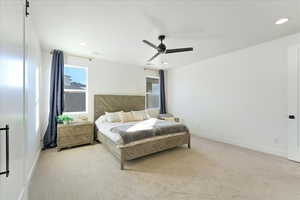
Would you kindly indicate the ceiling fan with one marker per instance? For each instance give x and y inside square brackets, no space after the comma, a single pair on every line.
[162,49]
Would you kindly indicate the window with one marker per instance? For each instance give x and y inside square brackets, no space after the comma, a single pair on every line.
[75,89]
[152,92]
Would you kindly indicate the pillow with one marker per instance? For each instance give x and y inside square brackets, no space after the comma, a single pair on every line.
[139,115]
[152,112]
[113,116]
[101,119]
[126,117]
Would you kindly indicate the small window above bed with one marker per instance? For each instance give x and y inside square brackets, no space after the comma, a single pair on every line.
[75,89]
[152,92]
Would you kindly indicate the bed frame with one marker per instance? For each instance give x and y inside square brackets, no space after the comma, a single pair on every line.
[113,103]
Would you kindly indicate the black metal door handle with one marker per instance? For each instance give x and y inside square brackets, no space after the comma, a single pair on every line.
[26,8]
[291,116]
[6,129]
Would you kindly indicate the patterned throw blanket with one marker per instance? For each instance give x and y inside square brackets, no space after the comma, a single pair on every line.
[148,128]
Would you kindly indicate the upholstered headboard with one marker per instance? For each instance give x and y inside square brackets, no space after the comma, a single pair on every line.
[114,103]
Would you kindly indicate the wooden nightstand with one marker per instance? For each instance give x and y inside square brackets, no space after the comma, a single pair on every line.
[168,117]
[174,119]
[74,134]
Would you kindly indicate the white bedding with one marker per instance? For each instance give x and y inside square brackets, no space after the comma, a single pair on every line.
[105,127]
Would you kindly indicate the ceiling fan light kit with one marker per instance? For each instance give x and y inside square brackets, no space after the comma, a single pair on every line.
[162,49]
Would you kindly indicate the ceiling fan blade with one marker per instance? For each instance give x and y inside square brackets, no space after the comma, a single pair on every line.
[179,50]
[153,57]
[150,44]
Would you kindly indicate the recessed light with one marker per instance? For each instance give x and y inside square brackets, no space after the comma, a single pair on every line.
[164,63]
[281,21]
[82,44]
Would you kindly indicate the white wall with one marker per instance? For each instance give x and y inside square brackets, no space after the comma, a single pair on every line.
[32,135]
[32,66]
[104,77]
[238,98]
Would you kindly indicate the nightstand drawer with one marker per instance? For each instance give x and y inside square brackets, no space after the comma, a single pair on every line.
[83,129]
[74,140]
[75,130]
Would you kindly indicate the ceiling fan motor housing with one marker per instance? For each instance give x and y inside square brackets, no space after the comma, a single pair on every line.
[162,48]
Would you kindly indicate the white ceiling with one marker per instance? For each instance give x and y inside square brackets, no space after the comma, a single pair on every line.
[114,29]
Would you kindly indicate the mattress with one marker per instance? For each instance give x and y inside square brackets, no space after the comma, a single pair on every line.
[105,129]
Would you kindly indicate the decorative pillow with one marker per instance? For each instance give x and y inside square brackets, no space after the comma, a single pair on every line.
[126,117]
[152,112]
[139,115]
[101,119]
[113,116]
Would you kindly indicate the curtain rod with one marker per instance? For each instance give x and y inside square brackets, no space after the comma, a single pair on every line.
[68,54]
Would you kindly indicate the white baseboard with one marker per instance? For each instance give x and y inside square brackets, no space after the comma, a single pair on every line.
[255,147]
[24,193]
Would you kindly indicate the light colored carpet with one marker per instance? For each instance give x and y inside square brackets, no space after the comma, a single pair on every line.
[208,171]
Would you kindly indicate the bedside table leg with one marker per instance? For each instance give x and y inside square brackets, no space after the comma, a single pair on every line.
[122,161]
[58,149]
[122,165]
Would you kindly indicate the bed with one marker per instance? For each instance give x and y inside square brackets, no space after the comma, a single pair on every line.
[136,149]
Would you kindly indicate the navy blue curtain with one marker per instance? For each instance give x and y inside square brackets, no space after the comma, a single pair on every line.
[56,98]
[162,92]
